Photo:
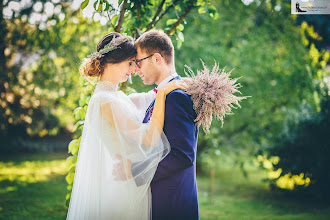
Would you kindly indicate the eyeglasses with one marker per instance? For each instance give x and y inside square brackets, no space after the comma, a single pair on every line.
[137,62]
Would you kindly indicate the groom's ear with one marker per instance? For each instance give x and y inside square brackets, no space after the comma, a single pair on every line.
[158,57]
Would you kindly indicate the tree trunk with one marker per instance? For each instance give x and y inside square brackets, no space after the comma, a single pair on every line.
[3,33]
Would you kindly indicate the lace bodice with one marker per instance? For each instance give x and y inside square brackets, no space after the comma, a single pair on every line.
[106,86]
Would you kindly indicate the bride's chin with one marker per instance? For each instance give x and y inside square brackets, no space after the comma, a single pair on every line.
[124,80]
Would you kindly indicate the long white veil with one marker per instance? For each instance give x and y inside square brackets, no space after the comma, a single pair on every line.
[113,126]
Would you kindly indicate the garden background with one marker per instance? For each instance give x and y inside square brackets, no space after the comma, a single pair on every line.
[269,161]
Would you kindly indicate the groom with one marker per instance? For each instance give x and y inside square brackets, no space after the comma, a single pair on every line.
[173,188]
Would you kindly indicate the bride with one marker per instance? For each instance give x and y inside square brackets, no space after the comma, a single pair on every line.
[114,130]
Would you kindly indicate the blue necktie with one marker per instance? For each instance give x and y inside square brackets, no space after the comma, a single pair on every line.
[150,109]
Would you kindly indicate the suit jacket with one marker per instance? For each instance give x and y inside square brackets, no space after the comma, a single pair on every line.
[174,188]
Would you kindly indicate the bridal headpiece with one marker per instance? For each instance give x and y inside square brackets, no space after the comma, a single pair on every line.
[112,45]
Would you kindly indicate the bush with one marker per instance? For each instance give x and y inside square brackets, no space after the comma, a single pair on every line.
[304,152]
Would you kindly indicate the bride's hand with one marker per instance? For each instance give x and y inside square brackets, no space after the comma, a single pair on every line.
[122,169]
[187,80]
[174,84]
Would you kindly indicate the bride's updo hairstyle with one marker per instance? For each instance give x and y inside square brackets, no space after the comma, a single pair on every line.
[93,66]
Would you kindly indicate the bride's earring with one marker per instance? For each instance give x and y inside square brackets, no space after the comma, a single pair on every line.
[130,79]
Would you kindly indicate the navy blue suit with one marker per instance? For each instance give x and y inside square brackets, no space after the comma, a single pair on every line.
[174,189]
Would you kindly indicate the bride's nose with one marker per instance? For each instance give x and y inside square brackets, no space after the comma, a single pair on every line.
[137,70]
[132,69]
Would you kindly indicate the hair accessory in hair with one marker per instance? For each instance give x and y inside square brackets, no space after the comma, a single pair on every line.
[112,45]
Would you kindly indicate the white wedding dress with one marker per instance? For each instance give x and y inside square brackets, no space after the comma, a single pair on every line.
[113,126]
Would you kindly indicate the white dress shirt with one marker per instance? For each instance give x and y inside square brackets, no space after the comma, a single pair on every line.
[166,80]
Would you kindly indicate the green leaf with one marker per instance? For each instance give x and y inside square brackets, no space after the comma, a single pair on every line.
[72,169]
[68,196]
[77,125]
[180,36]
[81,102]
[211,8]
[180,27]
[72,159]
[71,144]
[79,113]
[100,8]
[74,146]
[201,10]
[107,6]
[179,44]
[139,31]
[148,12]
[95,3]
[200,3]
[138,23]
[84,4]
[77,109]
[178,8]
[87,98]
[171,21]
[81,81]
[69,178]
[114,20]
[69,187]
[67,199]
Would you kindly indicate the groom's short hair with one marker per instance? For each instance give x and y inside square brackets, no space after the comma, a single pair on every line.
[156,41]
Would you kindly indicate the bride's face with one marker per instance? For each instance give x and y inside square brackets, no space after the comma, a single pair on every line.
[120,71]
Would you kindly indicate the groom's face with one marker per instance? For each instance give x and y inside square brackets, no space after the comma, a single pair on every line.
[146,68]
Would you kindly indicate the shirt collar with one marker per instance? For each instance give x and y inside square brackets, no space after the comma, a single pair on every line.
[166,80]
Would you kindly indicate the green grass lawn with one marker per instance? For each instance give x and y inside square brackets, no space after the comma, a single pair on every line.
[236,197]
[33,187]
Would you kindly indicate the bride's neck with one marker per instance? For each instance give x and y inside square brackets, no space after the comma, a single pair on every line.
[106,76]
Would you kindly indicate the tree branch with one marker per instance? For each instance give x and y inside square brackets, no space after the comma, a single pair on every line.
[139,11]
[156,15]
[121,16]
[164,13]
[139,19]
[188,9]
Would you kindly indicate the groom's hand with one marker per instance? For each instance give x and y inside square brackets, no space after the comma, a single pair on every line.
[122,169]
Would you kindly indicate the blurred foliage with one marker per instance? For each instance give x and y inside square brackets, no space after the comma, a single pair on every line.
[39,84]
[320,25]
[282,73]
[303,150]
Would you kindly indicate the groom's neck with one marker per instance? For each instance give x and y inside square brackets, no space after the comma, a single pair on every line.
[164,74]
